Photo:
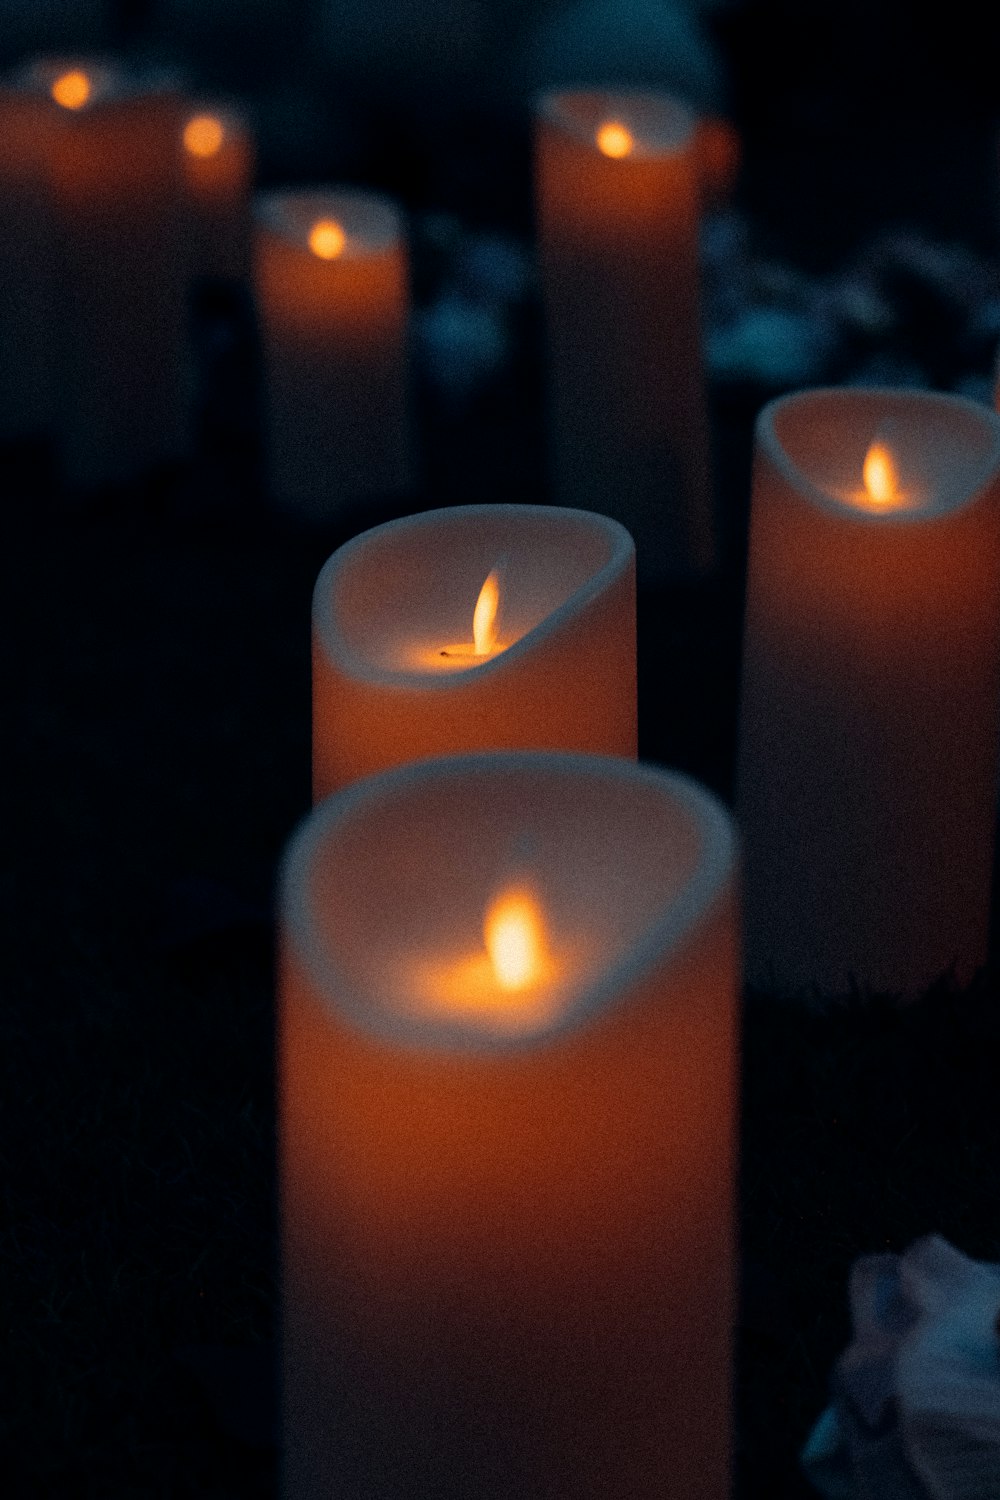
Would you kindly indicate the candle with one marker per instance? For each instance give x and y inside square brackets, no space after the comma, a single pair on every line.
[398,673]
[332,289]
[618,185]
[218,156]
[869,725]
[27,276]
[507,1089]
[113,175]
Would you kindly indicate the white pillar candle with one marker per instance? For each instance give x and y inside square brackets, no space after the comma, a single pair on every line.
[508,1001]
[618,185]
[217,150]
[333,299]
[396,674]
[869,724]
[28,281]
[113,172]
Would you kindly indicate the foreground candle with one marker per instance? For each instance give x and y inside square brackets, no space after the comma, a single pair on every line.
[218,156]
[481,627]
[332,290]
[507,1038]
[618,185]
[870,721]
[112,170]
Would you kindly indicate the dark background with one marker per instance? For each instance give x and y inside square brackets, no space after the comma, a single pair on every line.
[155,675]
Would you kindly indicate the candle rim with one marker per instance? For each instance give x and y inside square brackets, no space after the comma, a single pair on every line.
[555,105]
[113,79]
[234,122]
[336,647]
[380,217]
[665,936]
[892,397]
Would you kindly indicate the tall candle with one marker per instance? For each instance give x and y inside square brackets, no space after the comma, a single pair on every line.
[870,716]
[618,185]
[27,272]
[218,156]
[508,996]
[113,173]
[332,289]
[397,676]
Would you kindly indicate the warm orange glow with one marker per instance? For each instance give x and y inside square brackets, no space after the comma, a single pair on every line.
[327,239]
[879,472]
[614,140]
[203,135]
[71,90]
[484,618]
[515,938]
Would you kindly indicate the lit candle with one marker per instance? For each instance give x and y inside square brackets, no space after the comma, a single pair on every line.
[618,185]
[508,1002]
[112,171]
[218,156]
[27,271]
[332,288]
[869,724]
[475,628]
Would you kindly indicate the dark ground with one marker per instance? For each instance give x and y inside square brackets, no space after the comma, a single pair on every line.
[156,681]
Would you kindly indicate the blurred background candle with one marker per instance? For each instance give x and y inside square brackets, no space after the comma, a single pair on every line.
[508,1002]
[398,673]
[333,300]
[113,172]
[218,158]
[27,270]
[869,720]
[618,189]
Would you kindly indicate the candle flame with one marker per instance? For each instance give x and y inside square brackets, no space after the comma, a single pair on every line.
[203,135]
[514,932]
[327,239]
[879,472]
[71,90]
[484,618]
[613,139]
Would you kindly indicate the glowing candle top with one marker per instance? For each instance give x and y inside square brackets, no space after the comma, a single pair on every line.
[204,136]
[883,456]
[625,125]
[332,225]
[481,901]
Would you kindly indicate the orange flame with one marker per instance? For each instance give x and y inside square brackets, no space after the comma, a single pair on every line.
[72,90]
[484,617]
[514,933]
[879,473]
[613,139]
[203,135]
[327,239]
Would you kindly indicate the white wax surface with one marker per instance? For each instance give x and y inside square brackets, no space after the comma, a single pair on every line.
[370,223]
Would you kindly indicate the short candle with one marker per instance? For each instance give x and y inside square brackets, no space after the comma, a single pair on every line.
[870,718]
[618,192]
[332,285]
[508,1000]
[473,628]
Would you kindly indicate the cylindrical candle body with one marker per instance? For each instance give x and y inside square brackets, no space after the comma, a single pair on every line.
[389,605]
[334,326]
[869,722]
[218,156]
[619,258]
[508,1253]
[114,176]
[27,273]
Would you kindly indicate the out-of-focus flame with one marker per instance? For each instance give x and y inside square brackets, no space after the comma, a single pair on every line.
[514,932]
[203,135]
[879,473]
[484,617]
[615,139]
[72,89]
[327,239]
